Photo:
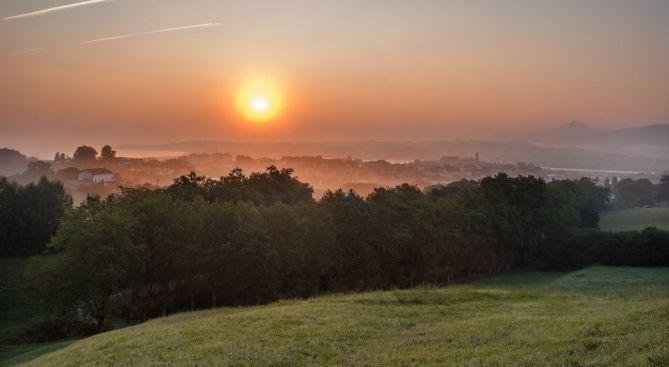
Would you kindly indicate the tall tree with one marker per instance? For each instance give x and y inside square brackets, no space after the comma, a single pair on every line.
[85,153]
[30,215]
[663,189]
[576,203]
[107,153]
[517,208]
[92,262]
[630,193]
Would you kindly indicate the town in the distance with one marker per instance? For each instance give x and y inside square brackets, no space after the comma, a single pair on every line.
[629,176]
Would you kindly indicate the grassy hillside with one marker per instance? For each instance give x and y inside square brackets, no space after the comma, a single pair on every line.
[599,316]
[634,219]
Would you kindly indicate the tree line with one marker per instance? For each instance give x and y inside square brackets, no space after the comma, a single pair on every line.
[629,193]
[87,153]
[240,240]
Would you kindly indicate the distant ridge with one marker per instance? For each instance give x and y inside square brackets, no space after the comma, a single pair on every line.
[571,130]
[579,133]
[548,155]
[657,134]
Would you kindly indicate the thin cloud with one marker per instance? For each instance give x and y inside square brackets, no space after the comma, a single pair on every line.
[54,9]
[27,51]
[130,35]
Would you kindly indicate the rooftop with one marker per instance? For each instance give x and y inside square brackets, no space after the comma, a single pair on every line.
[98,171]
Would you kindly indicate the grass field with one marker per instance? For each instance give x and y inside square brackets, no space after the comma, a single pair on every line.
[18,313]
[600,316]
[634,219]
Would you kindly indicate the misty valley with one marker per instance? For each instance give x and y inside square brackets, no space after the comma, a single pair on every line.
[334,183]
[125,251]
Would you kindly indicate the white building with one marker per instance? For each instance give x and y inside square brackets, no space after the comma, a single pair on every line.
[96,175]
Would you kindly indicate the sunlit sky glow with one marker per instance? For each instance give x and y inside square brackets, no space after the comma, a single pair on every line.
[171,70]
[260,100]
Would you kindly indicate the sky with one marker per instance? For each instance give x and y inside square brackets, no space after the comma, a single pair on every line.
[153,71]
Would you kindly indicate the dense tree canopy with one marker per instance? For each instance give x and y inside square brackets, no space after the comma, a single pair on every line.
[630,193]
[252,239]
[30,215]
[261,188]
[95,246]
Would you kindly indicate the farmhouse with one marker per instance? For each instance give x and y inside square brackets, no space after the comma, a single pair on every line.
[96,175]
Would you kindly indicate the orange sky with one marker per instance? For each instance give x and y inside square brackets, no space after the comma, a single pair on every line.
[395,70]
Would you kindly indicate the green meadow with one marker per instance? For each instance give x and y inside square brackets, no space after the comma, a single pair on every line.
[599,316]
[634,219]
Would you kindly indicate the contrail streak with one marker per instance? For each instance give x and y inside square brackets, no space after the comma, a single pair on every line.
[54,9]
[21,52]
[129,35]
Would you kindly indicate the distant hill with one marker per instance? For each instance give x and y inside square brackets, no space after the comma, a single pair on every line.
[495,151]
[648,141]
[12,162]
[641,135]
[580,133]
[572,130]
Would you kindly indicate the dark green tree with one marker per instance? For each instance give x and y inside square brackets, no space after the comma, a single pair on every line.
[633,193]
[85,153]
[452,189]
[107,153]
[577,203]
[518,213]
[91,259]
[276,185]
[663,189]
[30,215]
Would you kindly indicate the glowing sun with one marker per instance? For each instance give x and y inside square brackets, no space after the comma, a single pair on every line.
[259,100]
[259,104]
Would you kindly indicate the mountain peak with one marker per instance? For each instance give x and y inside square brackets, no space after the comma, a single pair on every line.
[575,125]
[572,130]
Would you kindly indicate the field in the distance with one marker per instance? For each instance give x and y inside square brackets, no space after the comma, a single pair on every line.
[600,316]
[634,219]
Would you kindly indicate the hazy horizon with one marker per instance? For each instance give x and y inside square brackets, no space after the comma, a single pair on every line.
[150,71]
[37,146]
